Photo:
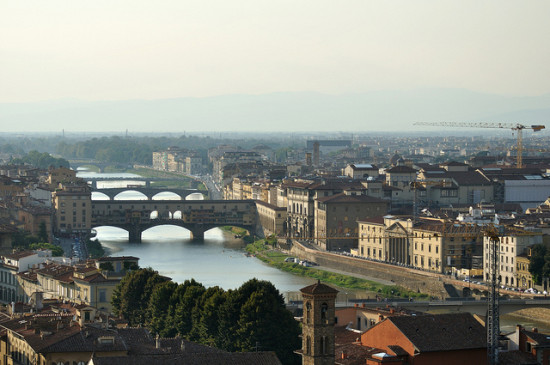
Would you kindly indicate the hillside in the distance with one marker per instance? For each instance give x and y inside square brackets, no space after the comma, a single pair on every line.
[287,112]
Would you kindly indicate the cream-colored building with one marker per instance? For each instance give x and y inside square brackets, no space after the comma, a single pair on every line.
[429,244]
[512,243]
[60,175]
[272,218]
[73,208]
[524,277]
[361,171]
[81,284]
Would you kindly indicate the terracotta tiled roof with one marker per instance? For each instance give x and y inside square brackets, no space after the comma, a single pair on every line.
[442,332]
[18,255]
[95,278]
[318,288]
[375,220]
[88,340]
[344,198]
[462,178]
[336,185]
[271,206]
[47,333]
[118,258]
[516,357]
[398,350]
[539,338]
[227,358]
[401,169]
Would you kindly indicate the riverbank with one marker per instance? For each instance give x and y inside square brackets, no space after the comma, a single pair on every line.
[266,253]
[541,315]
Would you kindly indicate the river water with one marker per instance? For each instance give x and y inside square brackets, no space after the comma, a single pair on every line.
[218,260]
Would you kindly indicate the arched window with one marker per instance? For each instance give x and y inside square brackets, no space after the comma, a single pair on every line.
[324,314]
[308,312]
[308,345]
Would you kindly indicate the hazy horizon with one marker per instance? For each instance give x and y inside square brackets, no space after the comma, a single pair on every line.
[325,64]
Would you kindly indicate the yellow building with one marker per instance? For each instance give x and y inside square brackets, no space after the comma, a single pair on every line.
[428,244]
[10,187]
[524,277]
[44,340]
[272,218]
[73,208]
[82,284]
[61,175]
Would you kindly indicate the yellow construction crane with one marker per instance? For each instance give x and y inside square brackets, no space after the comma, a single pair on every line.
[513,126]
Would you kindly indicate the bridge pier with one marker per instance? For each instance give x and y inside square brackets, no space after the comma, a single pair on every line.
[197,234]
[134,235]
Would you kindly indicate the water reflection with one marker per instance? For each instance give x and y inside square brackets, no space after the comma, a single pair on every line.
[218,260]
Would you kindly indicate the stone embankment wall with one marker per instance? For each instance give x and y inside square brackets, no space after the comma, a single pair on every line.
[423,282]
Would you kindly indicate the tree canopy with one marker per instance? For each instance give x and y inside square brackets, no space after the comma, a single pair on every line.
[41,160]
[252,317]
[539,263]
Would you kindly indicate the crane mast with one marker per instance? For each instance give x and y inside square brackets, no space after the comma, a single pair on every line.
[513,126]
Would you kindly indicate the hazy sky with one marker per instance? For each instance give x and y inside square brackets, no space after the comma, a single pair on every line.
[118,49]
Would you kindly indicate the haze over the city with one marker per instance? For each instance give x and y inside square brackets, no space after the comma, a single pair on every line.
[272,66]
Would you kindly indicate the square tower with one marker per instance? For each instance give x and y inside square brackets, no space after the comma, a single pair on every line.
[318,324]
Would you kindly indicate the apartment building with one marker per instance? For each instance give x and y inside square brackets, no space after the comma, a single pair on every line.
[73,208]
[336,218]
[512,242]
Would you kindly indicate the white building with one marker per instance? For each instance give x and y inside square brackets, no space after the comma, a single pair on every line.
[511,244]
[11,265]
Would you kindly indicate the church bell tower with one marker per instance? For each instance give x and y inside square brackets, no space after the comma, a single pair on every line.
[318,324]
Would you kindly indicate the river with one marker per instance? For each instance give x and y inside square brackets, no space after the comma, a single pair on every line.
[218,260]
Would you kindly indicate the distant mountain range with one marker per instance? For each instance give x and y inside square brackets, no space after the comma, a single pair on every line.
[285,112]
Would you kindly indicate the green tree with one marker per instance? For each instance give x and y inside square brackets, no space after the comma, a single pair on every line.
[266,324]
[161,303]
[537,262]
[107,266]
[57,251]
[206,316]
[188,294]
[43,232]
[131,296]
[255,315]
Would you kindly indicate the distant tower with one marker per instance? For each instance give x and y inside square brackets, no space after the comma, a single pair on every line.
[308,158]
[316,153]
[318,324]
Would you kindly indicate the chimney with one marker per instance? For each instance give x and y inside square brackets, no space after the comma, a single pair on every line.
[535,329]
[344,355]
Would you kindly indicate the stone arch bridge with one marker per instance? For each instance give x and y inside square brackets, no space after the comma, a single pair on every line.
[148,192]
[198,216]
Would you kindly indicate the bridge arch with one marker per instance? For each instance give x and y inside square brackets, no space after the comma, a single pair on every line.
[166,195]
[98,195]
[130,194]
[195,196]
[197,216]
